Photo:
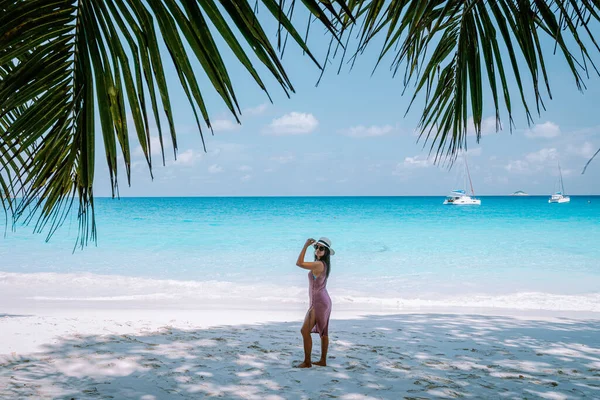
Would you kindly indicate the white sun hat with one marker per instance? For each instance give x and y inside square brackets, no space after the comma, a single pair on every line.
[326,243]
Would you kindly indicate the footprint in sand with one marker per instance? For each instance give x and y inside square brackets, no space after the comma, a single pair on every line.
[353,365]
[398,365]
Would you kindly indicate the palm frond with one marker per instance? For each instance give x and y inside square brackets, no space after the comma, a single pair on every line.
[62,62]
[454,51]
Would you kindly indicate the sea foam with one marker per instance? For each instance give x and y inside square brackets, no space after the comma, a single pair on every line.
[95,291]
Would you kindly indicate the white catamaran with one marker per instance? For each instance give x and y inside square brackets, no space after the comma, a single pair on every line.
[560,196]
[460,197]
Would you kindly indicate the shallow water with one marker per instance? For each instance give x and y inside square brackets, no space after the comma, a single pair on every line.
[507,252]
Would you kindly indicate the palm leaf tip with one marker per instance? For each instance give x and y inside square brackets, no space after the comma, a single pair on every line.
[64,62]
[460,53]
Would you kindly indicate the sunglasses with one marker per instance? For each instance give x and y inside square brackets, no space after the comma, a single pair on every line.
[319,248]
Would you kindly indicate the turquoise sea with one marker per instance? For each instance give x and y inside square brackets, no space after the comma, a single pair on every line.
[514,252]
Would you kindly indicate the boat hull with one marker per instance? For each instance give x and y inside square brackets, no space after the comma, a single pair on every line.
[560,200]
[462,202]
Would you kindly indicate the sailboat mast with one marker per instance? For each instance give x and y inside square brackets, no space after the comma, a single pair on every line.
[469,175]
[562,186]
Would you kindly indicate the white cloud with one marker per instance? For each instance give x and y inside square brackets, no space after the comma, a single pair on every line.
[431,131]
[226,149]
[488,126]
[546,130]
[138,152]
[493,180]
[154,147]
[220,125]
[246,178]
[405,169]
[416,162]
[215,169]
[284,159]
[294,123]
[187,158]
[568,172]
[541,156]
[533,162]
[255,110]
[139,165]
[474,152]
[321,157]
[412,163]
[585,150]
[518,166]
[245,168]
[362,131]
[375,167]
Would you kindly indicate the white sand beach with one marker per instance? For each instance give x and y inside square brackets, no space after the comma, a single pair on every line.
[94,353]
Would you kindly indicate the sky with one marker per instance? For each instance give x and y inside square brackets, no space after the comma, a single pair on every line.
[349,136]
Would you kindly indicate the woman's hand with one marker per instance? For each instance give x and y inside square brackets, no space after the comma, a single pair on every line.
[309,242]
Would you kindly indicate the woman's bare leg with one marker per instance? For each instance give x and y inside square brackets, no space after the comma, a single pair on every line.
[309,322]
[324,346]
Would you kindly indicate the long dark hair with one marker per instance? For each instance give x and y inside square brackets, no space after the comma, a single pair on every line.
[326,260]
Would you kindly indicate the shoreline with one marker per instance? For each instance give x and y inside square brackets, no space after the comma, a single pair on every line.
[49,290]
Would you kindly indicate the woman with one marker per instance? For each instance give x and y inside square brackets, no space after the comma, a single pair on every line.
[317,317]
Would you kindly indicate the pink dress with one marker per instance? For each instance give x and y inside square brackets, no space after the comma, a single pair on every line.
[320,302]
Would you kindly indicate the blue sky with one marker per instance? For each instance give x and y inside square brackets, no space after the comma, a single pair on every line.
[349,136]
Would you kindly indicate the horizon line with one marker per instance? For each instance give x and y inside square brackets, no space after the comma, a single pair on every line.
[301,196]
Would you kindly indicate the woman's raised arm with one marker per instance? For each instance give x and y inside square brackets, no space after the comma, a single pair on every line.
[314,266]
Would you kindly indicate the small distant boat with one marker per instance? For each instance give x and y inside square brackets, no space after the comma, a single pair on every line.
[560,196]
[460,197]
[519,193]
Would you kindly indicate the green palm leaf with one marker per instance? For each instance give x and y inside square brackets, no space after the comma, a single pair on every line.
[62,62]
[452,51]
